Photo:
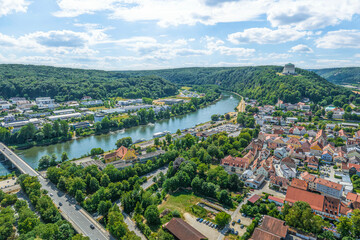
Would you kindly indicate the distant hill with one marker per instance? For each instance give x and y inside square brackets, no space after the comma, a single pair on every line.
[72,84]
[348,75]
[262,82]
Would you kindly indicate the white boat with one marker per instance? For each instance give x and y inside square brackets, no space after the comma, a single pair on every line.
[160,134]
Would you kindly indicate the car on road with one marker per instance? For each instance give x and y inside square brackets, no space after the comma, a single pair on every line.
[92,226]
[60,204]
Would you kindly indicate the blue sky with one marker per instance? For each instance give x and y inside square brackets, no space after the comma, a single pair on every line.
[154,34]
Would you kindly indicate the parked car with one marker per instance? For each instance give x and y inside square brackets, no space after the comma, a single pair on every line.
[233,223]
[201,220]
[236,233]
[242,226]
[60,204]
[198,219]
[239,220]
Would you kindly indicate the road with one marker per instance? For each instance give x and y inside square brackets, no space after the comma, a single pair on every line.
[80,220]
[241,106]
[129,222]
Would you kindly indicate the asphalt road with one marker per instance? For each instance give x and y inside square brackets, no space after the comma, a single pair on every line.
[80,220]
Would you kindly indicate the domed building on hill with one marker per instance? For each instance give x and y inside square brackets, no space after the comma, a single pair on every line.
[289,69]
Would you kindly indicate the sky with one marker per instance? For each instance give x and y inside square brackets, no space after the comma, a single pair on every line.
[157,34]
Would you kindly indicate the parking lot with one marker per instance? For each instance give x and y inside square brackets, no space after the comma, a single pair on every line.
[210,233]
[7,183]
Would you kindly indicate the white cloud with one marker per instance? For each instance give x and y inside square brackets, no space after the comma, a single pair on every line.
[309,14]
[11,6]
[301,48]
[339,39]
[218,45]
[266,36]
[300,14]
[168,12]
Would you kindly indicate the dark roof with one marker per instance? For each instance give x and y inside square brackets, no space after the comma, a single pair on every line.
[182,230]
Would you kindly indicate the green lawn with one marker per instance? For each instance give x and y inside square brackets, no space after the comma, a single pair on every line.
[179,201]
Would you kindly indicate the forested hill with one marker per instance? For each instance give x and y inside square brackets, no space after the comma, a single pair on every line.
[262,83]
[348,75]
[72,84]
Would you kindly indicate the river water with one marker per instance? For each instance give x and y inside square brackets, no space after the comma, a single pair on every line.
[78,147]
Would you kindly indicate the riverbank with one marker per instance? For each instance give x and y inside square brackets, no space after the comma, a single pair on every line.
[76,148]
[58,140]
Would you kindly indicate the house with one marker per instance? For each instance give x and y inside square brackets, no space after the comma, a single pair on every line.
[329,188]
[279,182]
[289,162]
[306,146]
[298,130]
[255,182]
[324,206]
[287,171]
[234,164]
[276,200]
[354,169]
[300,184]
[321,137]
[327,156]
[312,163]
[310,179]
[294,142]
[247,174]
[280,152]
[270,229]
[342,135]
[316,148]
[254,198]
[182,230]
[122,153]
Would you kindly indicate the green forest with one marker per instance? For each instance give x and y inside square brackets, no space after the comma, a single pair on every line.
[347,75]
[261,83]
[72,84]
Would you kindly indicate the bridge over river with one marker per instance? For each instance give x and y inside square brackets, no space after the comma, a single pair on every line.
[78,217]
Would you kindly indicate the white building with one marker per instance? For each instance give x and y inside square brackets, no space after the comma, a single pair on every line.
[64,116]
[329,188]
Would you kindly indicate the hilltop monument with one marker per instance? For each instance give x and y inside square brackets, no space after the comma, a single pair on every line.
[289,69]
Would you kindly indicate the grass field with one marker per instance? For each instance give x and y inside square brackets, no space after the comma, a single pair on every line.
[179,201]
[186,88]
[97,108]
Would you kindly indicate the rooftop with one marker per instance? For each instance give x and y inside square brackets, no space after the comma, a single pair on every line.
[254,198]
[297,183]
[329,184]
[315,201]
[182,230]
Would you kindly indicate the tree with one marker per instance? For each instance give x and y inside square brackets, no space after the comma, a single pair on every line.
[126,142]
[152,215]
[355,219]
[222,219]
[64,157]
[178,132]
[329,114]
[344,226]
[44,162]
[96,151]
[105,180]
[105,123]
[225,198]
[93,185]
[214,117]
[79,196]
[104,207]
[227,116]
[47,130]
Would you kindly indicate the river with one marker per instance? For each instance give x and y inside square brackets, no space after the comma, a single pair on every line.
[79,147]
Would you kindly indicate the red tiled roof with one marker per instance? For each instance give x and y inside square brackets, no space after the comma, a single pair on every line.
[315,201]
[261,234]
[356,166]
[235,162]
[254,198]
[353,197]
[182,230]
[270,229]
[301,184]
[328,183]
[344,210]
[276,199]
[308,177]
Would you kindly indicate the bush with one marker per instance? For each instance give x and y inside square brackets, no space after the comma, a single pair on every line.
[197,211]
